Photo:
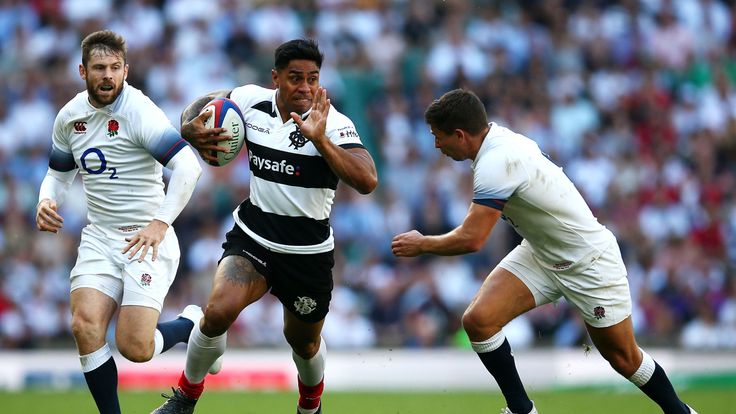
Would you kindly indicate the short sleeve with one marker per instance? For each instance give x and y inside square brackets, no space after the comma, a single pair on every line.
[61,158]
[495,179]
[155,132]
[341,130]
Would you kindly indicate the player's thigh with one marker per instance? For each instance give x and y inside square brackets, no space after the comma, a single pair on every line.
[515,286]
[136,326]
[92,311]
[237,284]
[502,297]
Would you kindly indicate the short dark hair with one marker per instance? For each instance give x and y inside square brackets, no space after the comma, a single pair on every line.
[107,41]
[457,109]
[306,49]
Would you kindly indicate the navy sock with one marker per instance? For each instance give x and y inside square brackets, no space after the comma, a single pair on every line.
[103,384]
[660,390]
[175,331]
[500,363]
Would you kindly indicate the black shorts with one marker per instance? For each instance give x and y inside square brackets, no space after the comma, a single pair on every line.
[302,282]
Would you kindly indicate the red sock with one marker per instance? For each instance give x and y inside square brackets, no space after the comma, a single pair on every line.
[192,391]
[309,395]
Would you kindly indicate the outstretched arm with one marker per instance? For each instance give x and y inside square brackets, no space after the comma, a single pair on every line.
[354,166]
[204,140]
[468,237]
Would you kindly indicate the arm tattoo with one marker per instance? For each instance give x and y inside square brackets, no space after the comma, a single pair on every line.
[195,107]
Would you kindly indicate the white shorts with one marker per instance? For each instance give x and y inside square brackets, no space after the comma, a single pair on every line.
[101,266]
[600,290]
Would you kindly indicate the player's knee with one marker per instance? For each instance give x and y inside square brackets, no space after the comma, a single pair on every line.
[625,363]
[87,329]
[217,319]
[478,325]
[305,349]
[135,349]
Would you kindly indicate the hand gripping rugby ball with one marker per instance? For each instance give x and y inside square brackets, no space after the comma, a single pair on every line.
[226,114]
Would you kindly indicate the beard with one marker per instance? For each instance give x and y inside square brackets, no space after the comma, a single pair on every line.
[101,98]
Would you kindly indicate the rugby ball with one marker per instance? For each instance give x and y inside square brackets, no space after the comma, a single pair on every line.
[226,114]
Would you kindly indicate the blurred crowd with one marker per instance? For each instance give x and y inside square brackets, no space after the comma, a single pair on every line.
[636,99]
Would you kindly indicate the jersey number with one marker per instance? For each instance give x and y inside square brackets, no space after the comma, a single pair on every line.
[103,163]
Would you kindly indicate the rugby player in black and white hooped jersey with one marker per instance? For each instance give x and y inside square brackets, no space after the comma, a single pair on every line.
[299,147]
[565,252]
[119,141]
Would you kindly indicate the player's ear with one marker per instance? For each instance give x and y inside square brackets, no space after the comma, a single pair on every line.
[82,72]
[125,72]
[275,78]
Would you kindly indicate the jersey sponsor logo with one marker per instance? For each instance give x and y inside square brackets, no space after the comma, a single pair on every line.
[562,265]
[80,127]
[112,128]
[146,279]
[271,165]
[305,305]
[128,229]
[252,256]
[599,312]
[257,128]
[297,139]
[349,133]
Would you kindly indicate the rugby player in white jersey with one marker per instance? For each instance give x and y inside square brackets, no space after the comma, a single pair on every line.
[565,251]
[299,147]
[119,141]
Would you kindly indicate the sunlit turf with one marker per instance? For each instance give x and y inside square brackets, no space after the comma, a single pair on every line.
[720,400]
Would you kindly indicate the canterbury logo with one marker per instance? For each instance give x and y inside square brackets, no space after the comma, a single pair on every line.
[80,127]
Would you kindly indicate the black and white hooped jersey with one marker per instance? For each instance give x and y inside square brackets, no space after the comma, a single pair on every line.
[120,151]
[292,187]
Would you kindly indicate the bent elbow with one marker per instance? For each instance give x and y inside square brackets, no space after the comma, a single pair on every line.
[367,185]
[370,185]
[473,246]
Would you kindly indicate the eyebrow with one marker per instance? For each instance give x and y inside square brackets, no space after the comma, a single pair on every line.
[294,71]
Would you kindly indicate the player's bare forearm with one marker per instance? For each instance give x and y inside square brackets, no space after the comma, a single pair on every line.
[355,166]
[193,128]
[413,243]
[468,237]
[193,109]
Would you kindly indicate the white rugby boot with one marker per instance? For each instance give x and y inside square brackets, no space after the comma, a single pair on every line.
[194,313]
[533,411]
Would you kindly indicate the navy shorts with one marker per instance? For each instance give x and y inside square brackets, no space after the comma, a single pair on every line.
[302,282]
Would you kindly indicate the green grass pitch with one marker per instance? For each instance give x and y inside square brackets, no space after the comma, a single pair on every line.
[599,401]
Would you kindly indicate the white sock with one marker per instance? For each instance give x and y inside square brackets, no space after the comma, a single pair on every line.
[311,371]
[92,361]
[490,344]
[645,371]
[158,342]
[202,351]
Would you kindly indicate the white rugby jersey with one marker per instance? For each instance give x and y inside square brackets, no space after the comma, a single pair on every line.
[120,151]
[292,187]
[511,174]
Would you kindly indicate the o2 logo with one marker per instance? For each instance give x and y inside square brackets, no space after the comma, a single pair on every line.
[92,152]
